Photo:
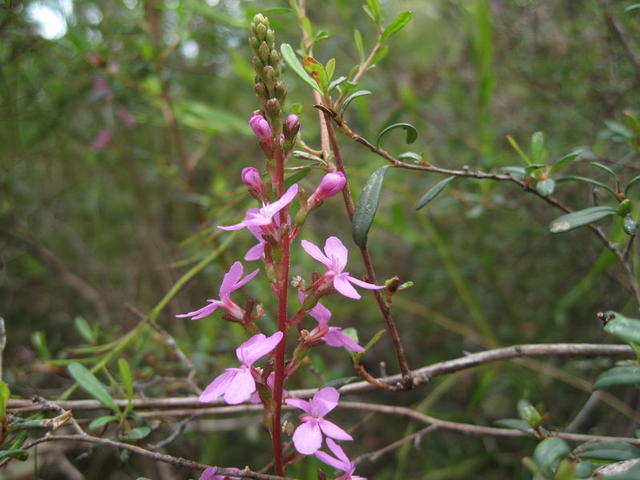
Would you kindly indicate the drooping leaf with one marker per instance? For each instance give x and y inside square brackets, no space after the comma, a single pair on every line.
[397,25]
[367,206]
[574,178]
[580,218]
[631,182]
[89,382]
[433,192]
[412,133]
[353,96]
[291,59]
[627,329]
[546,187]
[613,451]
[604,168]
[548,454]
[619,375]
[564,161]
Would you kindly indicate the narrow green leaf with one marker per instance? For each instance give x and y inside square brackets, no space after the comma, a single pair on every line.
[21,455]
[137,433]
[566,160]
[604,168]
[619,129]
[291,59]
[85,331]
[101,421]
[574,178]
[628,329]
[632,7]
[514,144]
[548,454]
[537,147]
[367,206]
[616,376]
[633,181]
[350,98]
[127,381]
[416,157]
[374,10]
[612,451]
[92,385]
[357,38]
[379,56]
[533,167]
[433,192]
[546,187]
[580,218]
[397,25]
[336,82]
[4,399]
[330,68]
[296,177]
[515,171]
[514,424]
[412,133]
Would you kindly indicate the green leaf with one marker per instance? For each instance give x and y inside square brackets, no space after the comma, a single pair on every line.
[137,433]
[632,474]
[367,206]
[412,133]
[433,192]
[533,167]
[336,82]
[546,187]
[127,381]
[291,59]
[537,147]
[101,421]
[604,168]
[514,424]
[515,171]
[330,68]
[317,72]
[630,225]
[616,376]
[566,160]
[584,469]
[370,343]
[619,129]
[627,329]
[379,56]
[632,7]
[580,218]
[373,10]
[613,451]
[397,25]
[4,399]
[296,177]
[549,452]
[631,182]
[39,341]
[85,331]
[357,38]
[92,385]
[295,108]
[21,455]
[416,157]
[350,98]
[574,178]
[525,158]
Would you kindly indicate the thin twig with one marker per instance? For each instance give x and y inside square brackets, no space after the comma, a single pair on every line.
[373,456]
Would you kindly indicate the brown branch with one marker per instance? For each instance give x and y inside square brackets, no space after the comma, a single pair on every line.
[420,376]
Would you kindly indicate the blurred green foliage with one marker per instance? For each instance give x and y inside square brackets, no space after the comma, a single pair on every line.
[91,221]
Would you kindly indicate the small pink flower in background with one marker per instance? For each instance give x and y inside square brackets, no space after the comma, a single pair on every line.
[341,461]
[231,282]
[332,336]
[307,438]
[101,141]
[210,474]
[260,127]
[262,217]
[252,179]
[101,90]
[237,384]
[335,259]
[125,116]
[331,184]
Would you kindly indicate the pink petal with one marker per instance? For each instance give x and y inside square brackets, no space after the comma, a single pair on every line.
[299,403]
[360,283]
[329,460]
[203,312]
[342,285]
[321,313]
[307,438]
[282,202]
[218,386]
[335,250]
[256,347]
[255,253]
[316,253]
[240,388]
[210,474]
[230,279]
[339,452]
[335,338]
[237,226]
[324,400]
[332,430]
[245,280]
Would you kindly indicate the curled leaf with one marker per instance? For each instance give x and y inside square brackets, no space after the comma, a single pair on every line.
[412,133]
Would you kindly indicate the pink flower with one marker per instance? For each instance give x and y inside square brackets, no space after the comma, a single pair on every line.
[342,462]
[261,217]
[102,140]
[260,127]
[332,336]
[210,474]
[307,438]
[335,259]
[291,126]
[237,384]
[331,184]
[231,282]
[125,116]
[252,179]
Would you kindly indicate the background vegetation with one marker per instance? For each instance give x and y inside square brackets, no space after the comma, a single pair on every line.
[90,224]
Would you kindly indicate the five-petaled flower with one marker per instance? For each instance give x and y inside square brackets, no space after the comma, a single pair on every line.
[237,384]
[342,462]
[262,217]
[335,259]
[307,438]
[231,282]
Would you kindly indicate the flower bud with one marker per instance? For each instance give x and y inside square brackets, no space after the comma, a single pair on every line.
[291,126]
[331,184]
[252,179]
[260,127]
